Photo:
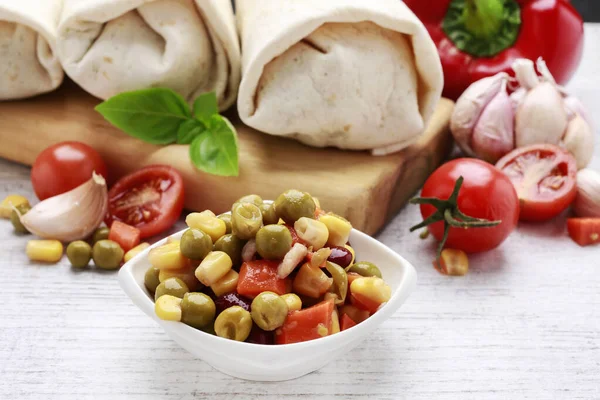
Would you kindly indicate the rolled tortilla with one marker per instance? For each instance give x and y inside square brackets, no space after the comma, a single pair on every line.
[354,74]
[28,65]
[113,46]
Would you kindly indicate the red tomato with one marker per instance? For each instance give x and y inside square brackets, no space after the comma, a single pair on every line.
[346,322]
[260,276]
[584,231]
[308,324]
[544,176]
[486,193]
[64,166]
[126,235]
[150,199]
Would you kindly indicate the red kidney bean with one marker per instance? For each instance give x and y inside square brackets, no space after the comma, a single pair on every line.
[232,299]
[258,336]
[340,256]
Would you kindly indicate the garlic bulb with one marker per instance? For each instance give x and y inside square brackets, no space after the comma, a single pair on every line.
[587,202]
[70,216]
[488,123]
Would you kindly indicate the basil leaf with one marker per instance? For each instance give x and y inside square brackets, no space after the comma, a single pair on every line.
[205,106]
[152,115]
[189,130]
[216,150]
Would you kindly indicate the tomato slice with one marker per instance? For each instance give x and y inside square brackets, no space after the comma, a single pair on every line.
[150,199]
[544,177]
[261,276]
[126,235]
[584,231]
[308,324]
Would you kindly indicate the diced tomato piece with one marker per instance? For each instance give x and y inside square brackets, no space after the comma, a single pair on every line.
[308,324]
[584,231]
[352,276]
[126,235]
[347,322]
[261,276]
[364,303]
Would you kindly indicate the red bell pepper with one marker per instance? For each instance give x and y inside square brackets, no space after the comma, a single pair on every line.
[584,231]
[261,276]
[308,324]
[126,236]
[479,38]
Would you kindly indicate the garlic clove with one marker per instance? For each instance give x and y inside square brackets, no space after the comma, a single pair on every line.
[517,98]
[543,69]
[70,216]
[587,202]
[579,140]
[525,73]
[574,106]
[493,136]
[541,118]
[470,106]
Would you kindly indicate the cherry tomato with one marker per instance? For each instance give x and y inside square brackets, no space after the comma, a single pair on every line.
[545,179]
[150,199]
[485,193]
[64,166]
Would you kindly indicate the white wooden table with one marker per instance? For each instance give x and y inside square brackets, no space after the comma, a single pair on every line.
[524,324]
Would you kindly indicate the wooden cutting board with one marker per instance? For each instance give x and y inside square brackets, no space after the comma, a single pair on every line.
[367,190]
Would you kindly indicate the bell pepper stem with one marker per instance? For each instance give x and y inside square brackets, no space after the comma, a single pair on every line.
[483,18]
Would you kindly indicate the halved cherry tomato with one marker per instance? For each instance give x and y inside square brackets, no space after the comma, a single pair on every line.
[64,166]
[544,177]
[150,199]
[308,324]
[261,276]
[346,322]
[485,193]
[584,231]
[126,235]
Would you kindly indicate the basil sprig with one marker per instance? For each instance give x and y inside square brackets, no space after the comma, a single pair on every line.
[161,116]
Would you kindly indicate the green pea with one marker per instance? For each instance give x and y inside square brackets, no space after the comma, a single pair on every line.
[340,282]
[107,254]
[173,287]
[15,217]
[365,268]
[268,213]
[273,242]
[269,311]
[246,220]
[227,219]
[100,234]
[79,253]
[197,310]
[232,245]
[195,244]
[234,323]
[151,280]
[292,205]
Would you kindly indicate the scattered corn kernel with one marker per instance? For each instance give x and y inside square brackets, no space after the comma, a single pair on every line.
[207,222]
[339,229]
[168,308]
[185,274]
[135,251]
[335,321]
[293,302]
[214,267]
[313,232]
[49,251]
[226,284]
[373,288]
[452,262]
[167,256]
[351,250]
[11,201]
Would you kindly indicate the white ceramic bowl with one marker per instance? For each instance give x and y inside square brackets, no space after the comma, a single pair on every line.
[279,362]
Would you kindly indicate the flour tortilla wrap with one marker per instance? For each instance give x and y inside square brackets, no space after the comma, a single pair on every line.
[113,46]
[28,65]
[355,74]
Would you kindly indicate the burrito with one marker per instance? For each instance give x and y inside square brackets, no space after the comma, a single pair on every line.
[354,74]
[28,62]
[113,46]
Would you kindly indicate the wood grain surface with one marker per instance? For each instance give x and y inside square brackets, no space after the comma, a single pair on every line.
[523,324]
[367,190]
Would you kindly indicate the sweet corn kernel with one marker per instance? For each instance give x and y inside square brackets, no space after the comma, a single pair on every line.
[293,302]
[167,256]
[186,274]
[311,231]
[207,222]
[49,251]
[135,251]
[351,250]
[168,308]
[373,288]
[339,229]
[214,267]
[11,201]
[452,262]
[322,330]
[226,284]
[335,321]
